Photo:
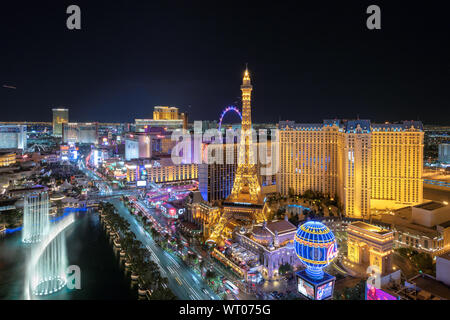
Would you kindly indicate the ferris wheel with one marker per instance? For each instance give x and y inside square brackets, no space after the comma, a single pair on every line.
[225,111]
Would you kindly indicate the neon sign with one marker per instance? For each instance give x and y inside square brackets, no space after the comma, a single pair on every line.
[332,252]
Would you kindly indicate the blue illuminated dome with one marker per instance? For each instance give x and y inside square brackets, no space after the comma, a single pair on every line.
[316,247]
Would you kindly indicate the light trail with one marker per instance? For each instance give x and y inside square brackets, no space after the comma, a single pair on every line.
[9,87]
[179,275]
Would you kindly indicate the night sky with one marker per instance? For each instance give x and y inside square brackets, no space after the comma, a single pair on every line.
[307,61]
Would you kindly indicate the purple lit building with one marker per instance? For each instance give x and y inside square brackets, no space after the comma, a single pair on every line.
[273,242]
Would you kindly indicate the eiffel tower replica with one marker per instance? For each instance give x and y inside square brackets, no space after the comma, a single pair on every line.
[245,205]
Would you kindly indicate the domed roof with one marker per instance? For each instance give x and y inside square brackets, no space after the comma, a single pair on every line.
[261,234]
[315,244]
[57,196]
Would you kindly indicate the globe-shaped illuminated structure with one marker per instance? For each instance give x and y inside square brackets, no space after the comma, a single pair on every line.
[316,247]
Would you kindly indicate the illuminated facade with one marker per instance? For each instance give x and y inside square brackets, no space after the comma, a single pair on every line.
[84,133]
[13,137]
[167,117]
[203,215]
[367,166]
[309,157]
[245,205]
[7,159]
[424,227]
[369,245]
[433,241]
[273,243]
[160,171]
[215,181]
[316,247]
[60,116]
[167,113]
[355,191]
[397,164]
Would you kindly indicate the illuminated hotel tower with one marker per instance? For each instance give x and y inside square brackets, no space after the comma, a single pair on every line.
[397,164]
[367,166]
[60,116]
[246,187]
[355,191]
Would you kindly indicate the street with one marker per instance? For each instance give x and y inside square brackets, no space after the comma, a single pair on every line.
[185,283]
[218,268]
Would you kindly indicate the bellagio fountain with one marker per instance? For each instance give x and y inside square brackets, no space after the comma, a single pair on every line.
[47,261]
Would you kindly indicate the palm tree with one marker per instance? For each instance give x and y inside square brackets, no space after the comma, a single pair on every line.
[163,294]
[210,275]
[191,257]
[154,233]
[12,218]
[127,240]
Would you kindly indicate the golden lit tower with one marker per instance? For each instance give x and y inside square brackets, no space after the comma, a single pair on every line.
[246,187]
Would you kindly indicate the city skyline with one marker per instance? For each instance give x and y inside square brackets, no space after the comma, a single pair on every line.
[199,153]
[308,63]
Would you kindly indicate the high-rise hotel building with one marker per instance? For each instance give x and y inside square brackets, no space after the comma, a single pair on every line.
[366,165]
[60,116]
[164,117]
[216,179]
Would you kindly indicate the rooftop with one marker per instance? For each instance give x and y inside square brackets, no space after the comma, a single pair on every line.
[197,197]
[445,225]
[351,125]
[7,202]
[430,206]
[445,256]
[34,188]
[431,285]
[418,230]
[281,226]
[261,234]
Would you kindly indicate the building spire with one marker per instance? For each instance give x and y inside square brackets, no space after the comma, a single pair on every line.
[246,187]
[246,80]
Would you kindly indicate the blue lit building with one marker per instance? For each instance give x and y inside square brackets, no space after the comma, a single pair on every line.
[216,179]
